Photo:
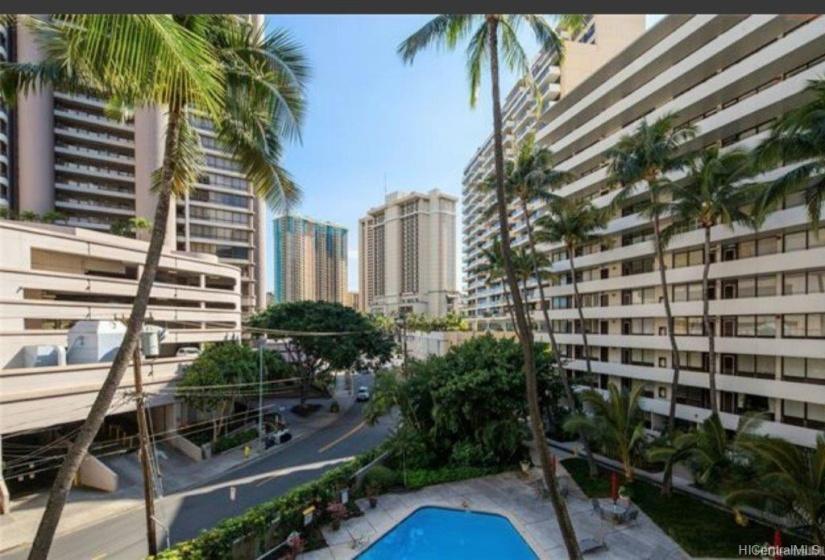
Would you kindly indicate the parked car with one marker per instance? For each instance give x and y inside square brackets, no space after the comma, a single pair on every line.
[188,351]
[278,436]
[363,394]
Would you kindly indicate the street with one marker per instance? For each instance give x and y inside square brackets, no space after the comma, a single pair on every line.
[187,513]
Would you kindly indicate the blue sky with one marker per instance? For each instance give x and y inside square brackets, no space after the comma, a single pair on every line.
[370,116]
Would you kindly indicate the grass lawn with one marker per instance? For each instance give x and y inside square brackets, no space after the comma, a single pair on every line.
[702,530]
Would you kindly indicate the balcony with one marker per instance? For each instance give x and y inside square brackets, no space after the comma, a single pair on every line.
[82,169]
[86,134]
[94,188]
[87,117]
[88,205]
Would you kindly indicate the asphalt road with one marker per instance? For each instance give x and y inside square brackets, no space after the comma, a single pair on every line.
[188,512]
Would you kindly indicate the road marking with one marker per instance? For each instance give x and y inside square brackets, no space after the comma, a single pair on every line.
[275,474]
[343,437]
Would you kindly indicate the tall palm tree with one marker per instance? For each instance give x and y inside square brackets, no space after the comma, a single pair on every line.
[491,35]
[574,223]
[493,268]
[792,483]
[615,422]
[646,156]
[530,178]
[799,136]
[713,194]
[249,86]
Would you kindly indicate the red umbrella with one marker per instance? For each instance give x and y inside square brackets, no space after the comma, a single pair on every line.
[777,542]
[614,487]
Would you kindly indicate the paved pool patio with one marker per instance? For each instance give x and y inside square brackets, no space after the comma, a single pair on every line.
[509,494]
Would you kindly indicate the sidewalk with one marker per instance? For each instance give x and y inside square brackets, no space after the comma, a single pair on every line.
[86,506]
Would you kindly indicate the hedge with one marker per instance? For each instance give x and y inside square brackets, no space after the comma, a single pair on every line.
[420,478]
[216,543]
[230,442]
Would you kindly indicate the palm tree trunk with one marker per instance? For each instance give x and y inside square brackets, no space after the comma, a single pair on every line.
[674,349]
[77,452]
[509,306]
[578,299]
[714,405]
[565,525]
[565,381]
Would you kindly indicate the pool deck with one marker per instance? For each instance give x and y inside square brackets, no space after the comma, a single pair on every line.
[512,496]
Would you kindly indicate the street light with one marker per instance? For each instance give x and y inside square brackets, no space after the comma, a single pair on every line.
[401,323]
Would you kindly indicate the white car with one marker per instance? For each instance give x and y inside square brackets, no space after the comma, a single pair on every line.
[363,394]
[188,351]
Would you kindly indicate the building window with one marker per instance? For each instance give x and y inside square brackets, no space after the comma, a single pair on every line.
[688,258]
[804,326]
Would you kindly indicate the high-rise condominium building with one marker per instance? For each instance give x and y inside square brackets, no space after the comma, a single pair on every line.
[310,260]
[5,167]
[71,158]
[732,77]
[407,256]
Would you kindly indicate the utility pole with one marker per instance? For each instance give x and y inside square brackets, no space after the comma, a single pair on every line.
[261,344]
[145,463]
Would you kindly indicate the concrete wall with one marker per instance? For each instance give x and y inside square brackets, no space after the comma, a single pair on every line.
[94,474]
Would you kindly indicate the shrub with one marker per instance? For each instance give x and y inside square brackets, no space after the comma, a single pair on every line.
[469,454]
[224,443]
[419,479]
[381,478]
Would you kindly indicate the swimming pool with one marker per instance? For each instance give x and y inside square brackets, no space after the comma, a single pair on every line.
[431,533]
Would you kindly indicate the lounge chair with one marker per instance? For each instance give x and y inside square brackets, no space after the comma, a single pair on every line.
[591,545]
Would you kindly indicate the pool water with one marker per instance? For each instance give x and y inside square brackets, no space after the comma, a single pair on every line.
[434,533]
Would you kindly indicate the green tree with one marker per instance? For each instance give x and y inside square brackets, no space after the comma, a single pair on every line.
[220,375]
[574,223]
[799,136]
[467,407]
[646,156]
[711,454]
[713,194]
[338,338]
[250,87]
[130,227]
[491,36]
[29,216]
[614,422]
[791,483]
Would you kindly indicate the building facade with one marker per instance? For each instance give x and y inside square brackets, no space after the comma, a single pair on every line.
[353,300]
[5,131]
[732,77]
[310,260]
[52,278]
[96,171]
[407,256]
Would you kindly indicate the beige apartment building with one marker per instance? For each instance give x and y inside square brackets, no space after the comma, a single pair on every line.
[310,260]
[407,256]
[71,158]
[732,77]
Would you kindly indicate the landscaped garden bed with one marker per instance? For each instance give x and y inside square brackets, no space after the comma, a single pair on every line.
[700,528]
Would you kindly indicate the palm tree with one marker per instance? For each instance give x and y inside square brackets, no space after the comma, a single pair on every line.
[249,86]
[713,194]
[532,177]
[645,156]
[792,484]
[574,223]
[799,136]
[493,268]
[709,450]
[615,422]
[489,36]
